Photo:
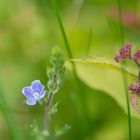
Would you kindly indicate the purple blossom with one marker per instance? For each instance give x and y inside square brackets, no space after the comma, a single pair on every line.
[124,53]
[135,90]
[136,56]
[118,58]
[34,93]
[134,102]
[135,87]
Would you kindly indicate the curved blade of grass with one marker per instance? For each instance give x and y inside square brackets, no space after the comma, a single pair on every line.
[14,129]
[89,42]
[104,64]
[55,9]
[83,125]
[123,75]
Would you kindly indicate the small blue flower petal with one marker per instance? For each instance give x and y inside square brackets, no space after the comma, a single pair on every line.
[27,92]
[31,102]
[36,86]
[41,94]
[34,93]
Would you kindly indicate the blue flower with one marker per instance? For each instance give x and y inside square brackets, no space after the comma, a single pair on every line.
[34,93]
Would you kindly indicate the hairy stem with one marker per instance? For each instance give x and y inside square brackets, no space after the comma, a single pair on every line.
[46,118]
[49,100]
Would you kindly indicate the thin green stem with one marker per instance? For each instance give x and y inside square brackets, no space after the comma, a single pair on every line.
[120,23]
[61,28]
[128,106]
[56,13]
[137,63]
[7,112]
[123,75]
[46,118]
[89,42]
[80,88]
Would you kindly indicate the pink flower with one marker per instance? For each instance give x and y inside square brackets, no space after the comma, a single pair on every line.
[135,87]
[136,56]
[135,90]
[134,102]
[129,18]
[118,58]
[124,53]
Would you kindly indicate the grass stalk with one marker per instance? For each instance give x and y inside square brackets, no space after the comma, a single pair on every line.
[61,28]
[83,128]
[7,112]
[125,81]
[89,42]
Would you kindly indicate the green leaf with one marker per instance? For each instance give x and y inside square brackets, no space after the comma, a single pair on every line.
[105,75]
[57,56]
[53,109]
[105,64]
[59,131]
[50,72]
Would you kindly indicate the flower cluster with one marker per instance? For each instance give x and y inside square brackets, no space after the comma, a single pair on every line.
[125,54]
[135,87]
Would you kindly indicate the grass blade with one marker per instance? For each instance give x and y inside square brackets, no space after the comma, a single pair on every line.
[89,42]
[14,129]
[55,9]
[83,125]
[104,64]
[124,76]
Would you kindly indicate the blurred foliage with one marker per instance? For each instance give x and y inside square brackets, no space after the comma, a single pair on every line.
[29,31]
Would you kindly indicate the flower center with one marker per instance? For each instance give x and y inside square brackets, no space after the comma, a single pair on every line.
[36,95]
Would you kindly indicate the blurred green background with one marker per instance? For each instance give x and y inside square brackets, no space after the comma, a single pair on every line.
[29,31]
